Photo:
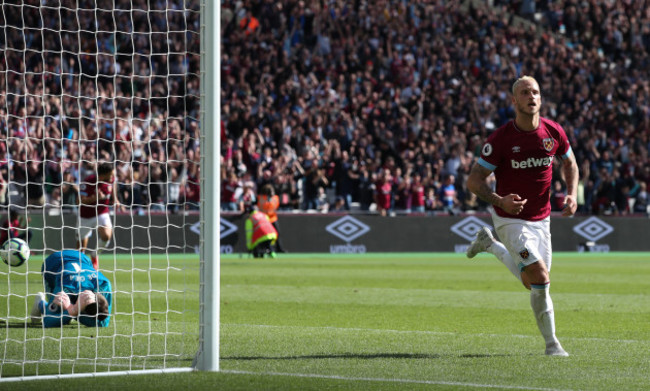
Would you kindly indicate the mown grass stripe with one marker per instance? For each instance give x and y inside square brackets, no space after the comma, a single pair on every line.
[387,380]
[429,332]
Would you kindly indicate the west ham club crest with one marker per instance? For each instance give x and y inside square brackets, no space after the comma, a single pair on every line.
[548,144]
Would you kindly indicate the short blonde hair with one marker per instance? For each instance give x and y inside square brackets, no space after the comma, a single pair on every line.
[520,80]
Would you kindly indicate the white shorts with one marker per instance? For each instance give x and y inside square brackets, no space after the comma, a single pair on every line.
[87,225]
[527,241]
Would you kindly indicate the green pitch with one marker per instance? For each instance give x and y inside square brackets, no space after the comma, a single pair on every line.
[381,321]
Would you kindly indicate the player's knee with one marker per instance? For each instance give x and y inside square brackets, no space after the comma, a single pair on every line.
[105,234]
[536,273]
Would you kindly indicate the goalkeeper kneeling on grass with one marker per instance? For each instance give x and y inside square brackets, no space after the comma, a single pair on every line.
[261,235]
[74,290]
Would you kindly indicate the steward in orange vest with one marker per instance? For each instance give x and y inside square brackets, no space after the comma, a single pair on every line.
[260,235]
[268,202]
[249,23]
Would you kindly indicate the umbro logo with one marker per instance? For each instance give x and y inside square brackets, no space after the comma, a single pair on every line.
[516,149]
[347,228]
[225,227]
[468,227]
[593,229]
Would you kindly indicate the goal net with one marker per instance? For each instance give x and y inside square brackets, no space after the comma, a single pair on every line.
[85,83]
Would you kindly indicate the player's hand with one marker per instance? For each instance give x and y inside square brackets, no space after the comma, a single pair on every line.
[512,204]
[570,206]
[62,300]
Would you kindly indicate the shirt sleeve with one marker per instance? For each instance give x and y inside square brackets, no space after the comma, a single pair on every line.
[490,153]
[53,317]
[83,190]
[564,150]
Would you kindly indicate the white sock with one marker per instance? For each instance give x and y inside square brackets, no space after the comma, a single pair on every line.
[501,252]
[542,305]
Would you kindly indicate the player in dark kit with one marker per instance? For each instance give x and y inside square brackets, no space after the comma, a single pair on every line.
[521,155]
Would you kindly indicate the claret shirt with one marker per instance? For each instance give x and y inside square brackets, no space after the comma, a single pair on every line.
[523,164]
[89,187]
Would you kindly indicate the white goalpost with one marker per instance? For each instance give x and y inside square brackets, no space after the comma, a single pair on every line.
[207,358]
[132,84]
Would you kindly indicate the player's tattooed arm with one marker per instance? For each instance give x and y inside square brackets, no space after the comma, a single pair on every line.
[477,184]
[570,171]
[512,203]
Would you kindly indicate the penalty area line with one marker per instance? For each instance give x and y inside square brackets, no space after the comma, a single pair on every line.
[403,381]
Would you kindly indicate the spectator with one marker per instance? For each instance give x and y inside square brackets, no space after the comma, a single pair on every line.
[193,187]
[314,181]
[173,192]
[367,187]
[605,193]
[230,186]
[69,191]
[384,193]
[417,194]
[338,205]
[448,195]
[248,197]
[558,194]
[641,201]
[431,202]
[345,176]
[402,192]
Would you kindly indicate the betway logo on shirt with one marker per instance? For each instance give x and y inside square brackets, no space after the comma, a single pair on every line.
[532,162]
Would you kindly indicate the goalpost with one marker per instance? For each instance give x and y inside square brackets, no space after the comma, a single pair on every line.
[134,83]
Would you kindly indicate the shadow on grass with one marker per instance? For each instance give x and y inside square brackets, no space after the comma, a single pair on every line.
[369,356]
[20,325]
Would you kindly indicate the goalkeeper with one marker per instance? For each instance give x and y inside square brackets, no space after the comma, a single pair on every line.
[74,290]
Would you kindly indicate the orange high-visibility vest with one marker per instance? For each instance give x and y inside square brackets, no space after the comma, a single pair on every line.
[259,229]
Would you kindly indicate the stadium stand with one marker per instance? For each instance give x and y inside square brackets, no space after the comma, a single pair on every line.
[64,109]
[350,89]
[319,97]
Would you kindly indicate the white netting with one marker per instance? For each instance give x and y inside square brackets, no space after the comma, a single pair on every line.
[114,81]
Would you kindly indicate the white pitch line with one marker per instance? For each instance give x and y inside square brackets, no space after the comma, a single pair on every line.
[404,381]
[354,329]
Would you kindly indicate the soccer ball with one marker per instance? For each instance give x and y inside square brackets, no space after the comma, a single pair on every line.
[15,252]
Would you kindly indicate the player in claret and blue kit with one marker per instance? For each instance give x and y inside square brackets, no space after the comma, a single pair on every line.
[521,155]
[74,290]
[97,194]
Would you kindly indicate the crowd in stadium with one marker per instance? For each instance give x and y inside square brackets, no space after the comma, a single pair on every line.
[386,103]
[375,104]
[98,84]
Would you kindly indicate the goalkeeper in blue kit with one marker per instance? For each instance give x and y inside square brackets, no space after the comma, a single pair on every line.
[74,290]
